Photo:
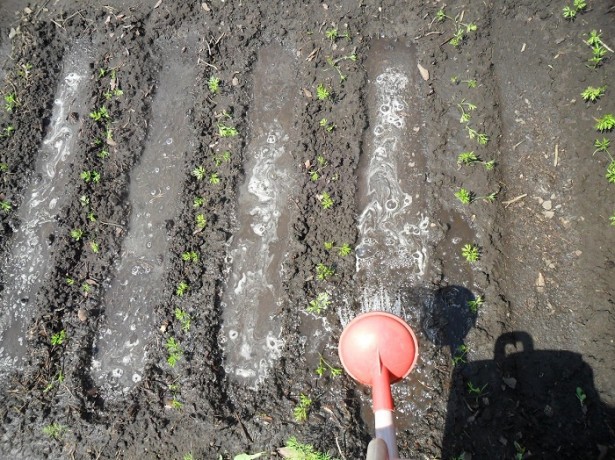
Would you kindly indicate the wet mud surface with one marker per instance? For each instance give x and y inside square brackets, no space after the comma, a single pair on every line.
[198,197]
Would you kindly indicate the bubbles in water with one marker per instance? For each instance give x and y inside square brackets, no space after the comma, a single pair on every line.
[136,378]
[233,335]
[117,372]
[169,141]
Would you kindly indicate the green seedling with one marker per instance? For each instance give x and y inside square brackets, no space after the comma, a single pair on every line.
[324,272]
[198,202]
[245,456]
[605,123]
[465,108]
[610,172]
[176,403]
[302,409]
[4,167]
[331,34]
[342,250]
[181,289]
[474,390]
[226,131]
[84,200]
[199,172]
[593,94]
[58,379]
[467,158]
[612,219]
[103,154]
[76,234]
[54,430]
[464,195]
[86,288]
[324,366]
[598,49]
[190,256]
[519,451]
[70,281]
[58,338]
[333,63]
[201,222]
[474,304]
[24,71]
[213,84]
[100,114]
[602,145]
[319,304]
[5,206]
[324,123]
[184,318]
[569,12]
[90,176]
[322,93]
[461,29]
[91,216]
[581,396]
[470,252]
[94,247]
[10,102]
[223,157]
[441,15]
[7,132]
[489,165]
[481,138]
[460,355]
[113,93]
[326,201]
[188,456]
[470,83]
[296,450]
[315,173]
[214,178]
[174,351]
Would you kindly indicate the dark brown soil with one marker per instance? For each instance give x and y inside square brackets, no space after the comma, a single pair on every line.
[540,349]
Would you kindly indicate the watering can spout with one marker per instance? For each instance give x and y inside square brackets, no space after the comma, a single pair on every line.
[381,387]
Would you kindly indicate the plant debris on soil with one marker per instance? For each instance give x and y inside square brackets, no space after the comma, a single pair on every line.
[197,197]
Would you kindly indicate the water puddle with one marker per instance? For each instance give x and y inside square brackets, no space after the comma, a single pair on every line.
[137,282]
[393,224]
[29,256]
[251,331]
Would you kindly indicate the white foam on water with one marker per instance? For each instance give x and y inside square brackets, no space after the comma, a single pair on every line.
[29,257]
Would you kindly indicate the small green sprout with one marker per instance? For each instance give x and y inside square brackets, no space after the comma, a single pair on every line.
[605,123]
[4,167]
[610,172]
[481,138]
[569,13]
[319,304]
[76,234]
[10,102]
[441,15]
[94,247]
[474,304]
[301,410]
[470,83]
[58,338]
[344,250]
[226,131]
[174,351]
[70,281]
[86,288]
[467,158]
[489,165]
[593,94]
[464,195]
[520,451]
[198,202]
[100,114]
[465,108]
[200,221]
[324,272]
[322,93]
[91,216]
[213,84]
[470,252]
[297,450]
[199,172]
[331,34]
[214,178]
[602,145]
[326,201]
[184,318]
[5,206]
[460,354]
[581,396]
[324,123]
[8,131]
[90,176]
[181,289]
[475,390]
[223,157]
[190,256]
[324,366]
[612,219]
[54,430]
[84,200]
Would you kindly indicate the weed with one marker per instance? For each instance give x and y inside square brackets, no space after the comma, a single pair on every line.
[581,396]
[470,252]
[464,195]
[174,351]
[94,247]
[471,83]
[76,234]
[214,178]
[474,304]
[58,338]
[54,430]
[319,304]
[199,172]
[10,102]
[323,366]
[301,410]
[322,93]
[460,355]
[200,221]
[5,206]
[190,256]
[324,272]
[326,201]
[213,84]
[100,114]
[198,202]
[298,450]
[184,318]
[593,94]
[226,131]
[605,123]
[478,391]
[324,123]
[181,288]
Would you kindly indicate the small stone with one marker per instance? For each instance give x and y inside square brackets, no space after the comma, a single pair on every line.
[235,81]
[549,214]
[548,410]
[547,205]
[510,382]
[578,253]
[540,282]
[424,72]
[82,314]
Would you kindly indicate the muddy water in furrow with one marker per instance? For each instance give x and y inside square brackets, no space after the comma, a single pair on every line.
[254,293]
[136,284]
[394,223]
[30,255]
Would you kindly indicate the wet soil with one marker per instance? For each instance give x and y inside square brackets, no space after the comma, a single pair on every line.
[527,374]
